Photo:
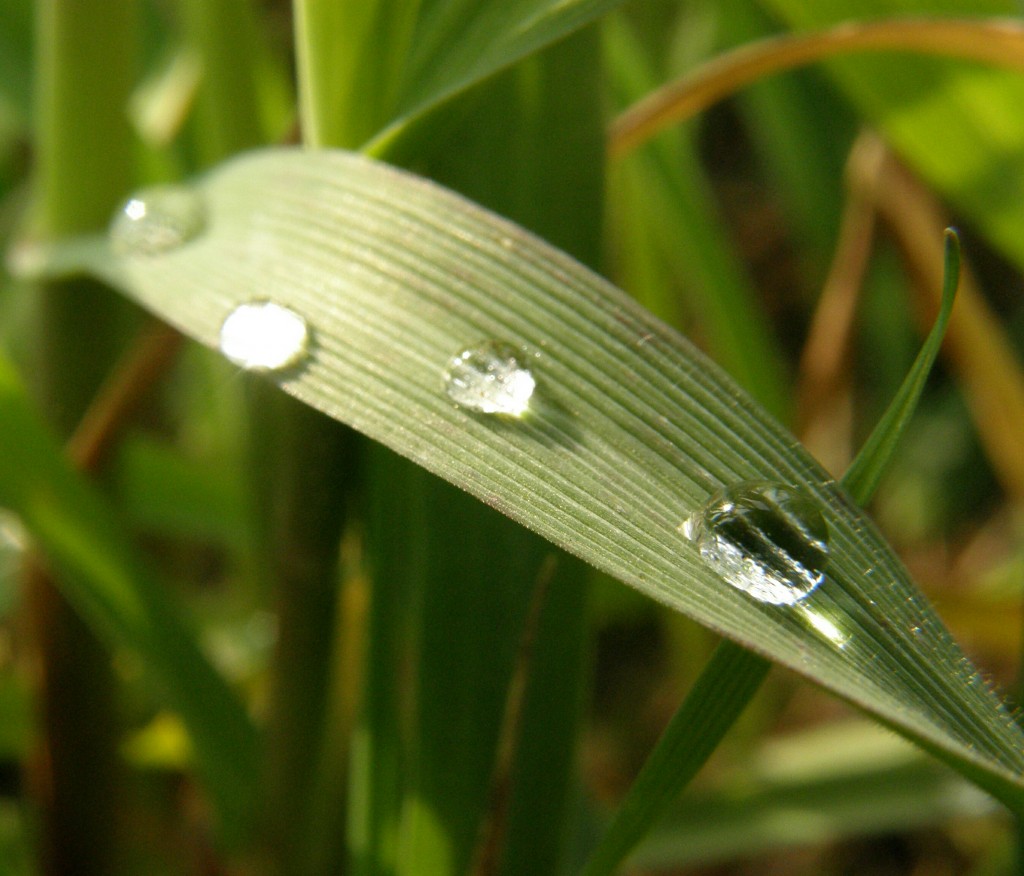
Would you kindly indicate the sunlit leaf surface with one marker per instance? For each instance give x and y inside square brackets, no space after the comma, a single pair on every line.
[629,430]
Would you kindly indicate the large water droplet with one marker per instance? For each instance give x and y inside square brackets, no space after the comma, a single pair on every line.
[764,539]
[491,378]
[157,220]
[264,336]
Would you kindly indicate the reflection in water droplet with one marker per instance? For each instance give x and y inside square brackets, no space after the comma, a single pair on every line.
[264,336]
[823,626]
[490,378]
[13,543]
[764,539]
[157,220]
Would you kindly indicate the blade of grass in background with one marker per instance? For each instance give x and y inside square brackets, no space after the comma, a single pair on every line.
[991,41]
[461,617]
[162,492]
[664,188]
[299,463]
[368,68]
[15,58]
[242,99]
[100,574]
[802,158]
[630,432]
[734,675]
[303,467]
[447,752]
[864,473]
[84,55]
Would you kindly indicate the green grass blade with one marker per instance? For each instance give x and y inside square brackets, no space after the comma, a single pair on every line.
[803,160]
[866,470]
[353,91]
[457,44]
[83,71]
[15,58]
[114,591]
[667,196]
[485,776]
[235,103]
[631,431]
[349,58]
[726,685]
[734,675]
[380,770]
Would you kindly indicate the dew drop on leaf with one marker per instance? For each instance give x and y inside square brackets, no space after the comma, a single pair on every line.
[491,378]
[764,539]
[264,336]
[157,220]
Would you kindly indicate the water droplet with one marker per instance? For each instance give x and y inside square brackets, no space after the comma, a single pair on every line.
[491,378]
[264,336]
[764,539]
[157,220]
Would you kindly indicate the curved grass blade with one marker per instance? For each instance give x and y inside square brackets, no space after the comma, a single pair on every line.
[997,41]
[369,68]
[630,431]
[102,576]
[734,675]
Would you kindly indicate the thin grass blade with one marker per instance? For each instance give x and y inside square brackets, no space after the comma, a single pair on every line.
[866,470]
[729,681]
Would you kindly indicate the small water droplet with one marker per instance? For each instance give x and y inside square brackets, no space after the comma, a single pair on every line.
[157,220]
[491,378]
[766,540]
[264,336]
